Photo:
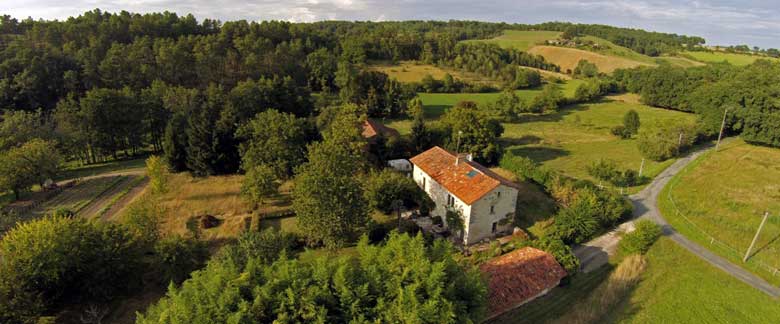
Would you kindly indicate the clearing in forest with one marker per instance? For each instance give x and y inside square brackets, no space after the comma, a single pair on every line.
[522,40]
[567,58]
[413,71]
[723,195]
[732,58]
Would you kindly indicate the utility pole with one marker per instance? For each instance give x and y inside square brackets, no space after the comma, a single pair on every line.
[722,127]
[679,143]
[641,167]
[755,238]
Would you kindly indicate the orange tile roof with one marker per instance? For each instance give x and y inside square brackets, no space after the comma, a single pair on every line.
[469,181]
[372,128]
[519,276]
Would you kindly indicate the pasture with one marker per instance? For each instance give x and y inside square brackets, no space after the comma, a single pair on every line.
[522,40]
[678,287]
[723,195]
[568,140]
[413,71]
[567,58]
[731,58]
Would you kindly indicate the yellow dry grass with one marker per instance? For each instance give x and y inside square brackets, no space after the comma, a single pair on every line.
[413,71]
[608,294]
[567,58]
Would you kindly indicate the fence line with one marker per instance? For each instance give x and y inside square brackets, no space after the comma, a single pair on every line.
[713,241]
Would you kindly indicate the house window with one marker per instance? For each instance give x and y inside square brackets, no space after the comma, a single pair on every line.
[498,194]
[450,200]
[424,187]
[493,230]
[492,210]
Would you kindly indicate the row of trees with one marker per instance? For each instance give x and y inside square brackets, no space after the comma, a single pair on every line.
[746,92]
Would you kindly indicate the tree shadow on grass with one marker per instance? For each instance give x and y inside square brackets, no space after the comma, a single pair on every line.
[553,116]
[435,111]
[766,245]
[524,140]
[539,153]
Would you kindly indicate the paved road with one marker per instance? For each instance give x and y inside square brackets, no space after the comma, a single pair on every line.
[596,253]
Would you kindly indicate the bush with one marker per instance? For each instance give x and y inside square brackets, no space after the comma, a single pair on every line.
[576,224]
[259,183]
[403,280]
[641,239]
[387,186]
[662,141]
[178,256]
[63,212]
[562,252]
[621,131]
[607,170]
[53,260]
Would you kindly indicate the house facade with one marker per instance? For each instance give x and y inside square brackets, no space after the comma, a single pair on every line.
[484,201]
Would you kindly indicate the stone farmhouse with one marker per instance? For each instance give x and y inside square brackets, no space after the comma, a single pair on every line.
[484,201]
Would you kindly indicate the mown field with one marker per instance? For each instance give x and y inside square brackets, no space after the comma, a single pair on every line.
[723,195]
[607,56]
[732,58]
[678,287]
[522,40]
[413,71]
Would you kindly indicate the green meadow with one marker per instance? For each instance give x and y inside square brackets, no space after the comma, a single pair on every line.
[720,57]
[522,40]
[723,195]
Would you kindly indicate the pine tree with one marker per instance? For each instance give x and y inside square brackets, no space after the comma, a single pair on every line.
[421,137]
[175,143]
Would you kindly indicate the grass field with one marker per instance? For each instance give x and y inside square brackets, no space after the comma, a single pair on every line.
[412,71]
[732,58]
[723,195]
[567,58]
[678,287]
[521,39]
[218,196]
[568,140]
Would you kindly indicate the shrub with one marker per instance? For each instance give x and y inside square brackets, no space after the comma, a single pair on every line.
[621,131]
[158,173]
[631,122]
[63,212]
[585,69]
[576,224]
[178,256]
[641,239]
[259,183]
[57,259]
[562,252]
[662,141]
[403,280]
[385,187]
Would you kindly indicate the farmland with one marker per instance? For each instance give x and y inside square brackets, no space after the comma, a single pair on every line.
[719,57]
[567,58]
[723,195]
[571,139]
[412,71]
[606,55]
[678,287]
[520,39]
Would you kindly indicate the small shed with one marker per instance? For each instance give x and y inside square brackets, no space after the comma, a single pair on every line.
[519,277]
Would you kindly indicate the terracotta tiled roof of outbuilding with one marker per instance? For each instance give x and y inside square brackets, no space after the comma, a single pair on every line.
[373,128]
[518,277]
[467,180]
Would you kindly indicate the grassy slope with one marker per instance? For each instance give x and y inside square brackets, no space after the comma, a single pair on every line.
[76,171]
[732,58]
[520,39]
[411,71]
[725,194]
[568,140]
[678,287]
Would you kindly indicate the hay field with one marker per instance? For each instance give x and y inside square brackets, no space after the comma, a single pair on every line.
[413,71]
[567,58]
[522,40]
[731,58]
